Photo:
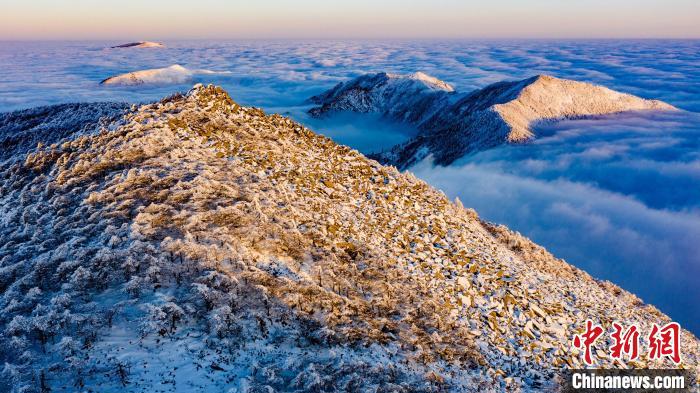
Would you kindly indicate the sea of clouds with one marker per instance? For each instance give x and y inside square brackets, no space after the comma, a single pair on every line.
[617,196]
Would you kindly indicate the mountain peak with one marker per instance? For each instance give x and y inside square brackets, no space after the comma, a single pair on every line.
[210,94]
[546,97]
[405,97]
[141,44]
[174,73]
[430,81]
[453,124]
[166,75]
[195,240]
[545,77]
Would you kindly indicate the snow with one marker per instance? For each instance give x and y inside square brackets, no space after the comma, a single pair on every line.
[102,298]
[278,76]
[548,98]
[431,81]
[174,74]
[454,124]
[21,131]
[141,44]
[411,98]
[198,245]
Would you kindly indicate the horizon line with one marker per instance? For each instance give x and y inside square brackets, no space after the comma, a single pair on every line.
[304,38]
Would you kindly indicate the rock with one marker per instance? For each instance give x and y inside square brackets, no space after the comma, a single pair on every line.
[464,283]
[557,330]
[435,377]
[538,311]
[543,345]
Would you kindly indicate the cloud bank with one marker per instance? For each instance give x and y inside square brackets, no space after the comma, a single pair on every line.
[618,197]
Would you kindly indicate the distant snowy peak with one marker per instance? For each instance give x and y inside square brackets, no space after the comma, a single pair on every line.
[453,124]
[545,98]
[168,75]
[413,97]
[141,44]
[427,80]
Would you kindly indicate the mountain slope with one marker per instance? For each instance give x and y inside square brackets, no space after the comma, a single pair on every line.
[411,98]
[200,245]
[20,131]
[454,124]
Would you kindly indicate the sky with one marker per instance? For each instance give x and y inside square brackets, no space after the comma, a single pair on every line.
[210,19]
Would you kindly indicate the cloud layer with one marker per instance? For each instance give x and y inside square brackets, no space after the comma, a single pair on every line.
[618,197]
[275,74]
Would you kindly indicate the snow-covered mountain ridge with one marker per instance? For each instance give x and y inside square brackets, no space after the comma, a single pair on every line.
[453,124]
[411,98]
[140,44]
[167,75]
[199,245]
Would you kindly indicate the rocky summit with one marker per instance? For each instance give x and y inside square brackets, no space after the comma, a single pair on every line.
[194,243]
[453,124]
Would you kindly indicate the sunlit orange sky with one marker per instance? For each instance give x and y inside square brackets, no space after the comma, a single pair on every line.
[177,19]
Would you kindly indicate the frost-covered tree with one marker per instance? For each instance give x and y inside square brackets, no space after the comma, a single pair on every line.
[162,319]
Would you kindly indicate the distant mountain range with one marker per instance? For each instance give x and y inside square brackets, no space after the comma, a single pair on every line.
[140,44]
[193,244]
[157,76]
[453,124]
